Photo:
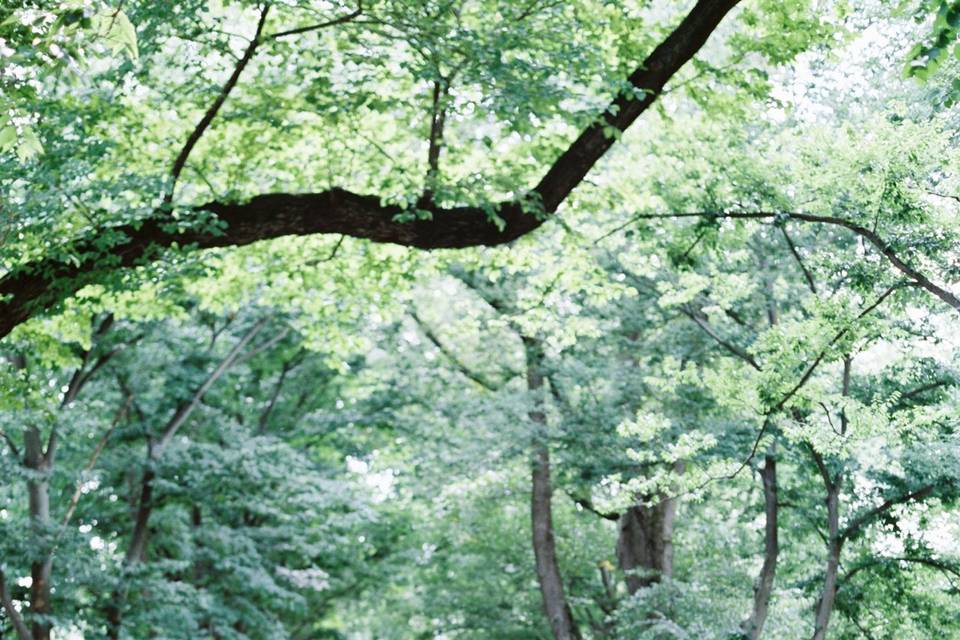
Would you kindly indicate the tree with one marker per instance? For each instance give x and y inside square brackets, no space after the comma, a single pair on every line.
[29,286]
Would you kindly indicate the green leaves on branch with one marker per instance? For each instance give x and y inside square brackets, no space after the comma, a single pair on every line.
[926,57]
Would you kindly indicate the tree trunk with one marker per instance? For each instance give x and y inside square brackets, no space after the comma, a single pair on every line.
[829,591]
[753,626]
[38,491]
[138,541]
[136,552]
[835,540]
[645,543]
[555,604]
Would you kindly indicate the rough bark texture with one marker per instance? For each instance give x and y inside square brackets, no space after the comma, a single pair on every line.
[753,626]
[645,543]
[555,604]
[42,284]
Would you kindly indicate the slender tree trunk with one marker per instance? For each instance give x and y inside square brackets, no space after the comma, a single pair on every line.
[138,541]
[832,483]
[136,551]
[555,604]
[645,543]
[38,490]
[753,626]
[829,591]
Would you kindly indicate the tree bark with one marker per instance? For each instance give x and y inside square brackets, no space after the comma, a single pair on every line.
[44,283]
[645,543]
[835,538]
[753,626]
[835,544]
[40,463]
[555,604]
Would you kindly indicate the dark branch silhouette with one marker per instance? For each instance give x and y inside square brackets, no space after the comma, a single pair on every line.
[42,284]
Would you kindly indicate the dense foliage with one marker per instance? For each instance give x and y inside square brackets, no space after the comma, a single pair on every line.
[685,365]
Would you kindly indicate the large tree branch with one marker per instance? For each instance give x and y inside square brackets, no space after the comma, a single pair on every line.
[39,285]
[647,82]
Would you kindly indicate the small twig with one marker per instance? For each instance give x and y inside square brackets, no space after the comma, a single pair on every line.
[203,177]
[186,408]
[796,256]
[459,364]
[588,506]
[72,506]
[857,523]
[269,344]
[288,366]
[23,633]
[10,443]
[870,236]
[829,418]
[333,254]
[909,395]
[697,316]
[944,195]
[767,415]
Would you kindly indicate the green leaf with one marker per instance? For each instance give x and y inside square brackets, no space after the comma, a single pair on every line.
[120,33]
[30,145]
[8,138]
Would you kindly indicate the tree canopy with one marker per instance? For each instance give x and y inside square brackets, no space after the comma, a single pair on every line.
[598,319]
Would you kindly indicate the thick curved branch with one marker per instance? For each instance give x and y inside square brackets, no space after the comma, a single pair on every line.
[39,285]
[647,83]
